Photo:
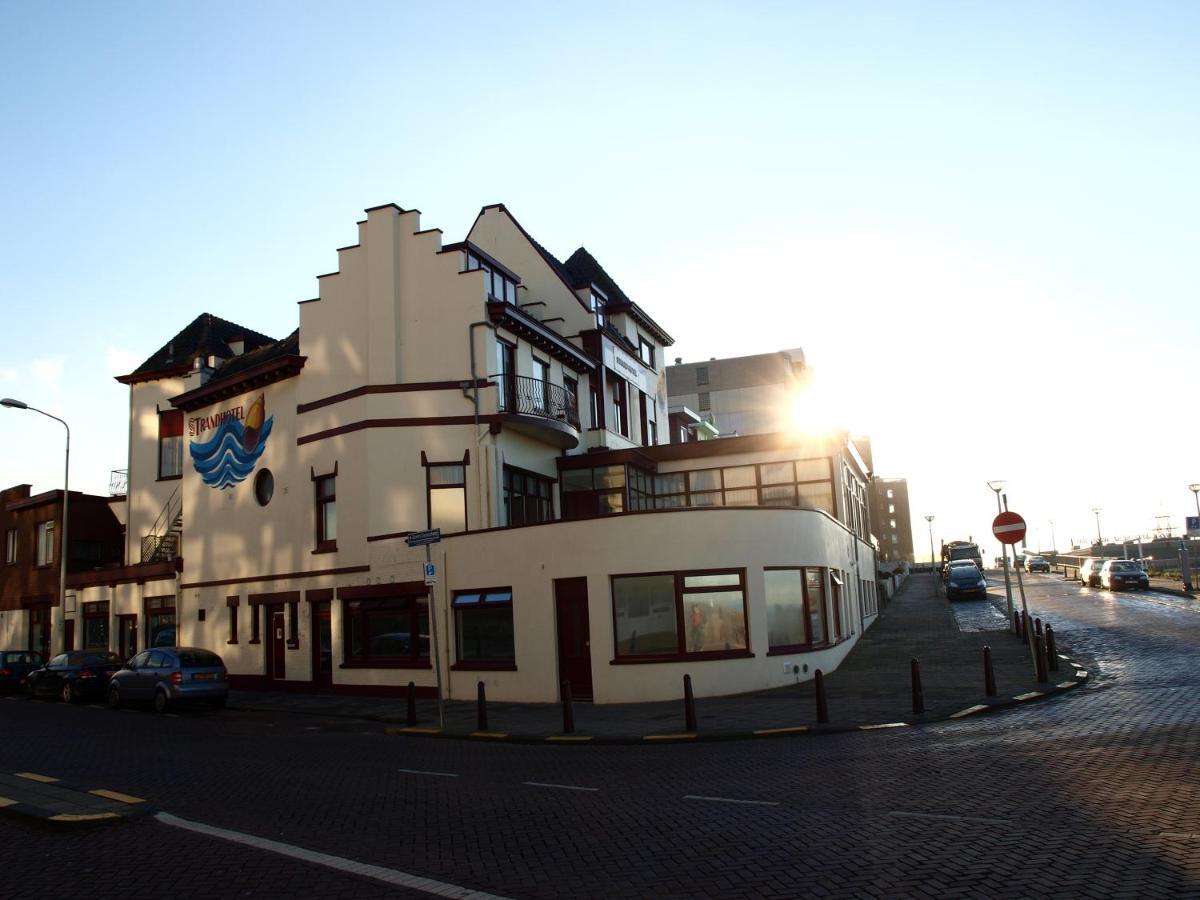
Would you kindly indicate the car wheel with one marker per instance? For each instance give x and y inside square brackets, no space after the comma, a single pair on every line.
[160,701]
[67,693]
[114,698]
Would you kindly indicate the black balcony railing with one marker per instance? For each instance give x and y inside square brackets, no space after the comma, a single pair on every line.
[531,397]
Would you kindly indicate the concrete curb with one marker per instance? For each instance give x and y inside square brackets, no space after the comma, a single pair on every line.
[92,806]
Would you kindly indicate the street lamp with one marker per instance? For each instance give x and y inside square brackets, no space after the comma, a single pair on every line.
[929,519]
[1099,540]
[62,553]
[1195,489]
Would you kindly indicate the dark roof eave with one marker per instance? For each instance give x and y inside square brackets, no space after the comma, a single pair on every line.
[278,369]
[522,323]
[154,375]
[642,318]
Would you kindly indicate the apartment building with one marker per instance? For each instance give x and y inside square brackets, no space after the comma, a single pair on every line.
[743,394]
[891,519]
[518,404]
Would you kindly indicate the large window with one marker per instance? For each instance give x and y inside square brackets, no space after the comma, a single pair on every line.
[45,543]
[526,497]
[10,547]
[593,492]
[646,352]
[499,286]
[160,622]
[387,632]
[326,500]
[446,490]
[620,407]
[170,444]
[483,626]
[680,614]
[95,626]
[795,608]
[599,304]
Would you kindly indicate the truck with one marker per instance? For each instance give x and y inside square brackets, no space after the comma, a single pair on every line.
[952,550]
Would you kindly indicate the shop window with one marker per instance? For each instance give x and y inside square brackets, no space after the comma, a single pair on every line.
[10,547]
[526,497]
[170,444]
[325,488]
[680,615]
[483,625]
[387,632]
[45,543]
[95,626]
[160,622]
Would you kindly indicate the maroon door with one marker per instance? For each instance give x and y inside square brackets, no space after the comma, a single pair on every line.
[322,646]
[276,644]
[574,644]
[69,634]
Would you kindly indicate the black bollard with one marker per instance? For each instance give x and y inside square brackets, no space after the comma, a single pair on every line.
[1037,626]
[918,695]
[1017,622]
[568,710]
[689,705]
[1024,625]
[1039,653]
[412,704]
[989,674]
[481,723]
[822,706]
[1051,648]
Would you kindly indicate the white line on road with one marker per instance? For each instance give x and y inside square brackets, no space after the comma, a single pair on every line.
[732,800]
[561,787]
[423,772]
[949,818]
[341,864]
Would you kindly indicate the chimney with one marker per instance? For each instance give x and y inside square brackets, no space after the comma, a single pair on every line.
[679,360]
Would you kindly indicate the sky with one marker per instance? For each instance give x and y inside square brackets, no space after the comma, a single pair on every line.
[980,221]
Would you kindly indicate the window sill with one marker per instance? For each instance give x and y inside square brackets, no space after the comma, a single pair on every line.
[789,649]
[326,547]
[168,477]
[231,642]
[252,641]
[386,665]
[681,657]
[484,666]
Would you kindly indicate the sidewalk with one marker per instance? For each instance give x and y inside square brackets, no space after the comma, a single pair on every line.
[55,803]
[871,689]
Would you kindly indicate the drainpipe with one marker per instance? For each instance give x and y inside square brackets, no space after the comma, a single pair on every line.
[486,461]
[474,377]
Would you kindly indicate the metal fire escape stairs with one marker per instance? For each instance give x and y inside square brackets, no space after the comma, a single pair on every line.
[162,543]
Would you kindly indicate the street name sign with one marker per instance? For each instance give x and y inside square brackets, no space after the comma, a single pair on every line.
[423,538]
[1008,527]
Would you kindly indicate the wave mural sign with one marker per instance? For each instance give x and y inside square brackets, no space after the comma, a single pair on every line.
[238,439]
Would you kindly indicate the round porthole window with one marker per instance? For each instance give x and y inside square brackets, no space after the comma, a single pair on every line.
[264,487]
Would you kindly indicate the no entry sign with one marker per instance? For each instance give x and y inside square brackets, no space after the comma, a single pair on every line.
[1008,527]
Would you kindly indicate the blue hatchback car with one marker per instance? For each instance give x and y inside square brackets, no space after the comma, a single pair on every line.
[164,676]
[965,580]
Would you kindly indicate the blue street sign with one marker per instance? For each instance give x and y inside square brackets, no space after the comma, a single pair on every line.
[421,538]
[1193,525]
[430,573]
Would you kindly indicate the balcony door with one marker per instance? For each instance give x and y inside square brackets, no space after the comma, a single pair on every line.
[506,376]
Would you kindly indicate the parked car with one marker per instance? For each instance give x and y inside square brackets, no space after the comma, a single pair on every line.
[1122,573]
[76,675]
[965,581]
[15,666]
[968,564]
[165,676]
[1036,564]
[1019,562]
[1089,571]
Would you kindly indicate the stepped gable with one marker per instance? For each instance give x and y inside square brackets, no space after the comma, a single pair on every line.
[206,335]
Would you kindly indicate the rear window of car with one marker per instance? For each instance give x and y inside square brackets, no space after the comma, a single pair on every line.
[1123,567]
[198,658]
[95,659]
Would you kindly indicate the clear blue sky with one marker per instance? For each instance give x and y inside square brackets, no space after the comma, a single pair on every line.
[955,209]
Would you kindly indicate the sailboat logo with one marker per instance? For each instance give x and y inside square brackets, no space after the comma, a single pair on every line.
[232,452]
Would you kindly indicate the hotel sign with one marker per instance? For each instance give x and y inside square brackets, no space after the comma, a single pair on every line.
[630,369]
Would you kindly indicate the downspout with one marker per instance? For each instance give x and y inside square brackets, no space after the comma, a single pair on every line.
[487,463]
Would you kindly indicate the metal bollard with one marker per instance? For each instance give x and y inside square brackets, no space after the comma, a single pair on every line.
[412,704]
[822,706]
[1017,622]
[1039,653]
[568,709]
[1037,626]
[1051,648]
[481,722]
[989,674]
[689,705]
[1024,625]
[918,695]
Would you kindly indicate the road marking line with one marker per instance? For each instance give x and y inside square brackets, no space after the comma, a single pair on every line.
[950,818]
[570,738]
[1029,696]
[33,776]
[969,711]
[1081,673]
[412,729]
[732,800]
[883,725]
[1187,835]
[490,735]
[424,772]
[1068,684]
[795,729]
[5,801]
[341,864]
[116,795]
[83,817]
[686,736]
[561,787]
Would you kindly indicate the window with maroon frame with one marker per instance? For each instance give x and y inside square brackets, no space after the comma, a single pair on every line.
[483,626]
[231,603]
[325,488]
[795,600]
[671,615]
[170,444]
[391,631]
[526,497]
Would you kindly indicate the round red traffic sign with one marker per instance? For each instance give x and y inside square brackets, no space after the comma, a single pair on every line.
[1008,527]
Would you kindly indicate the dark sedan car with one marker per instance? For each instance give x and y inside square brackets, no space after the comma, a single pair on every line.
[169,675]
[965,581]
[77,675]
[15,666]
[1122,573]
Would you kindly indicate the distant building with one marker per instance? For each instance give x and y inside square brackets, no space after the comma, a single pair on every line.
[743,394]
[890,519]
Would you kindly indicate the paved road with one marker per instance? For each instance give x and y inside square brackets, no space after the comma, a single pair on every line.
[1094,794]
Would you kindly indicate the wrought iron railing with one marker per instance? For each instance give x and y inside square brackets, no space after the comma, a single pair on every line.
[533,397]
[118,482]
[162,543]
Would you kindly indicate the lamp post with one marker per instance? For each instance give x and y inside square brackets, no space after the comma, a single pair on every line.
[929,519]
[62,553]
[1195,489]
[1053,542]
[998,486]
[1099,540]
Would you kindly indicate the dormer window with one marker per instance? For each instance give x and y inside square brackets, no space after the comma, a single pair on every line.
[598,305]
[646,352]
[498,285]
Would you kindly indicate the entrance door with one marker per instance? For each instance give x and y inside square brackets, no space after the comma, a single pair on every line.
[574,644]
[39,630]
[322,646]
[275,644]
[69,635]
[127,636]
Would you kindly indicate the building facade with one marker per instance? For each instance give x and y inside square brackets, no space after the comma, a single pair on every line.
[518,404]
[743,394]
[891,519]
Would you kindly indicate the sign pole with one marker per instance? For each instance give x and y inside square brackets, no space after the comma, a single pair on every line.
[435,648]
[1007,579]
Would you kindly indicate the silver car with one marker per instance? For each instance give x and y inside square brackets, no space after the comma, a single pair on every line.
[164,676]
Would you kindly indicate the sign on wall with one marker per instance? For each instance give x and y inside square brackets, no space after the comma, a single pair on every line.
[1193,526]
[237,440]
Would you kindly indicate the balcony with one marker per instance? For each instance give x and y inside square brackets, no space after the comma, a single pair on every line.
[118,482]
[539,409]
